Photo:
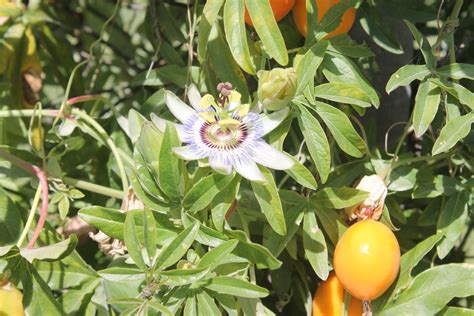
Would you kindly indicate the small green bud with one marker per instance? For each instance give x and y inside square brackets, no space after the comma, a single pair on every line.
[276,87]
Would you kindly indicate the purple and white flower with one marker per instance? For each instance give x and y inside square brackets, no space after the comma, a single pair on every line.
[226,133]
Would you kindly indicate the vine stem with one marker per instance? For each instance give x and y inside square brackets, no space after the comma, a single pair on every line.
[31,216]
[87,119]
[367,308]
[92,187]
[41,175]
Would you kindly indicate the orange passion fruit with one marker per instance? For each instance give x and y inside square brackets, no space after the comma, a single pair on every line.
[280,9]
[299,16]
[367,259]
[329,298]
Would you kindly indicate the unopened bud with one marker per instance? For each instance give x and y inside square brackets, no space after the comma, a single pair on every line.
[276,87]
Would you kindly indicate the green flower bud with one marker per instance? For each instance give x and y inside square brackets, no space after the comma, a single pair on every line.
[276,87]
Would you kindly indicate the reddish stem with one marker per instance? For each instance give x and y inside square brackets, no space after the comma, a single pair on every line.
[81,98]
[40,174]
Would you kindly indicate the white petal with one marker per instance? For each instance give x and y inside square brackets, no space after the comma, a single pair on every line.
[249,170]
[218,165]
[161,125]
[272,120]
[187,153]
[180,110]
[270,157]
[194,96]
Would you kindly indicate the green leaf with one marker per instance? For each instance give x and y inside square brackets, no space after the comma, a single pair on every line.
[215,256]
[149,144]
[37,296]
[343,93]
[338,197]
[257,254]
[149,233]
[132,240]
[464,96]
[206,305]
[426,106]
[180,277]
[455,130]
[308,65]
[342,130]
[405,75]
[108,220]
[10,220]
[269,201]
[135,123]
[457,71]
[236,287]
[203,192]
[169,173]
[408,261]
[277,243]
[452,222]
[160,308]
[379,29]
[423,44]
[236,34]
[331,222]
[432,289]
[190,308]
[223,201]
[316,141]
[302,175]
[339,68]
[315,246]
[267,29]
[51,252]
[344,45]
[455,311]
[177,248]
[209,16]
[63,206]
[223,63]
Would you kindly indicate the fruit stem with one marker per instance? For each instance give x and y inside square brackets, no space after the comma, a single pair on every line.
[367,308]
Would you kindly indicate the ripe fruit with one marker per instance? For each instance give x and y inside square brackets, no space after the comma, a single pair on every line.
[280,9]
[299,16]
[329,298]
[367,259]
[11,301]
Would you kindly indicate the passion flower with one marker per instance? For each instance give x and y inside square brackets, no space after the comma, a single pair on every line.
[225,132]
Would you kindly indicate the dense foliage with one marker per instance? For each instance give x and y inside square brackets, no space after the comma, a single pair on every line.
[109,203]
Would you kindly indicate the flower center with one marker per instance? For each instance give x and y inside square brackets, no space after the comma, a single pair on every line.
[223,138]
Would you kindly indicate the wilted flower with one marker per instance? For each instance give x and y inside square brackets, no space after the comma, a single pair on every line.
[372,206]
[276,87]
[225,132]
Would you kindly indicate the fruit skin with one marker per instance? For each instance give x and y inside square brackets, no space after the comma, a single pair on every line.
[329,298]
[299,16]
[280,9]
[11,301]
[367,259]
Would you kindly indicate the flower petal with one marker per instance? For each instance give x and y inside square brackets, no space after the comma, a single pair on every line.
[180,110]
[194,96]
[219,165]
[187,153]
[249,170]
[272,120]
[270,157]
[161,125]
